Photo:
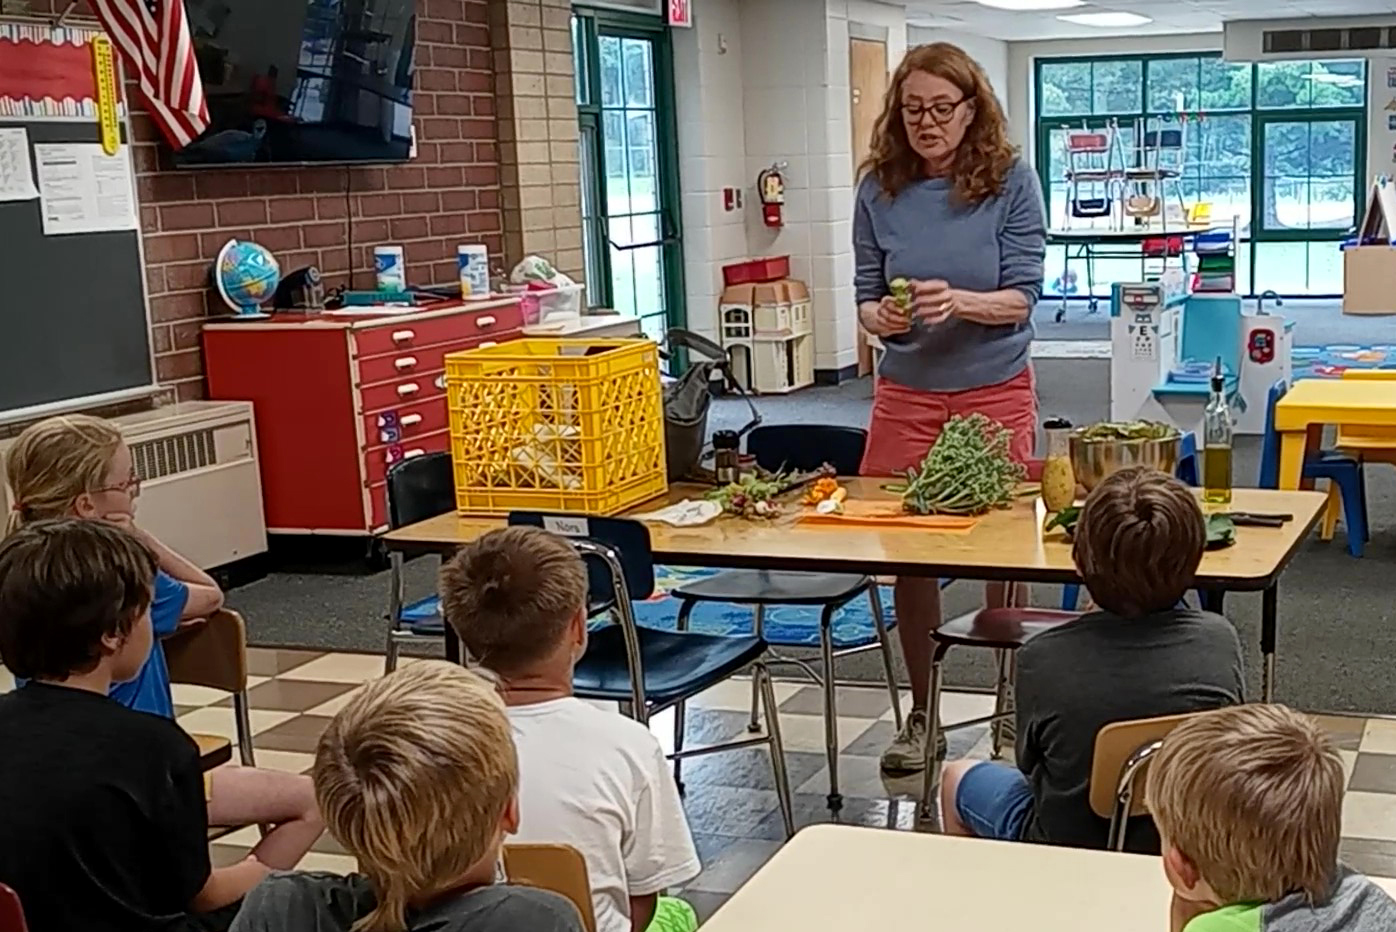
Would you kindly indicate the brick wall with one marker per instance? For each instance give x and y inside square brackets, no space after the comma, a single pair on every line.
[448,195]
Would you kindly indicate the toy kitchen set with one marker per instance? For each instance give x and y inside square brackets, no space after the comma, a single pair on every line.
[1167,335]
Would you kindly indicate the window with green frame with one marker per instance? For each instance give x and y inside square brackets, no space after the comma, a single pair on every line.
[1279,145]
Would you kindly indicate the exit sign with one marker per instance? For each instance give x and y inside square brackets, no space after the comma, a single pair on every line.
[680,12]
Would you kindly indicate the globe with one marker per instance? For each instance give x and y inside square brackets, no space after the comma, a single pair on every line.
[246,275]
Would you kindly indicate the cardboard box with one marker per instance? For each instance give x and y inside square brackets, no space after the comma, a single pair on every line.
[1369,280]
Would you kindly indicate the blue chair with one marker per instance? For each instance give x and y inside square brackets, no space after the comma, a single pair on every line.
[805,447]
[1339,468]
[1187,472]
[418,488]
[648,670]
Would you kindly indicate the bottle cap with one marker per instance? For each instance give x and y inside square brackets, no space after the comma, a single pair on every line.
[1056,423]
[726,440]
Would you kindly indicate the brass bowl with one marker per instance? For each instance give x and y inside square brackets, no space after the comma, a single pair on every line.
[1093,460]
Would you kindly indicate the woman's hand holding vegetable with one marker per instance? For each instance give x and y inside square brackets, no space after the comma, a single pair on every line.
[883,318]
[932,300]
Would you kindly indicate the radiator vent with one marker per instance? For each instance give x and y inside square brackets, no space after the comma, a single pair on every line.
[1301,41]
[1309,37]
[171,456]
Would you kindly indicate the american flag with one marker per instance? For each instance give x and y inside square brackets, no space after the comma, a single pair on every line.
[153,37]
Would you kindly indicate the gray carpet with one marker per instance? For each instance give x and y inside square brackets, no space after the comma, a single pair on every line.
[1337,632]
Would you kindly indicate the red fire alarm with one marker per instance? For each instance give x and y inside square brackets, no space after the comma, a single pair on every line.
[680,13]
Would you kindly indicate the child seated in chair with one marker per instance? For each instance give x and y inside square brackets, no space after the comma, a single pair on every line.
[418,780]
[1249,803]
[1137,546]
[102,809]
[588,777]
[78,466]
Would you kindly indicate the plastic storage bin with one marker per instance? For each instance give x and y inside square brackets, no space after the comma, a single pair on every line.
[556,425]
[553,305]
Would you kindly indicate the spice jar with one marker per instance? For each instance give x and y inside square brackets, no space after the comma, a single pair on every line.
[1058,478]
[726,458]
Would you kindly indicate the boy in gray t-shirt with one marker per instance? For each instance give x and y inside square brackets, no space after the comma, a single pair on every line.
[1137,547]
[1249,801]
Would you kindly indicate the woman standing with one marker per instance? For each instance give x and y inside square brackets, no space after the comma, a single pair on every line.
[946,203]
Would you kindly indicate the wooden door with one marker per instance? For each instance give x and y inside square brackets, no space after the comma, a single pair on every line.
[867,71]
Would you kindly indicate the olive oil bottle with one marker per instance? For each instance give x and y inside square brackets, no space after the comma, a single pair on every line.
[1216,443]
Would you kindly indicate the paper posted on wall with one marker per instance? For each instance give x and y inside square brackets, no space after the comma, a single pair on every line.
[16,170]
[83,189]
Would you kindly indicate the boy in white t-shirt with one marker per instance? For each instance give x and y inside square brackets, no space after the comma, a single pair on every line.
[590,778]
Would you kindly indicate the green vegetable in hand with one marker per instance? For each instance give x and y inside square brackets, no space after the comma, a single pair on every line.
[968,471]
[901,293]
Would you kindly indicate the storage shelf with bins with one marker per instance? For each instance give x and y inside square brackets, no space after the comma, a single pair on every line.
[768,329]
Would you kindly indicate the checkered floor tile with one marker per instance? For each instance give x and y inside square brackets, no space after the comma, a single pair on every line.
[729,797]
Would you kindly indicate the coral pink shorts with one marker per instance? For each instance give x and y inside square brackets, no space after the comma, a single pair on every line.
[907,421]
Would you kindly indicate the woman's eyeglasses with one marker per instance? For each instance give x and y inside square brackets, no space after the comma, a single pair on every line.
[940,113]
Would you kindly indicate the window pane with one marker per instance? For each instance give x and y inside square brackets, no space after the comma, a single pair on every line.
[1282,267]
[1325,268]
[1311,84]
[639,76]
[1173,85]
[1066,88]
[1339,83]
[582,72]
[610,72]
[1220,145]
[1308,174]
[1118,86]
[1225,85]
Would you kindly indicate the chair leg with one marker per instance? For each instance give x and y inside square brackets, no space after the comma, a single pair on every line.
[243,723]
[1362,498]
[1352,514]
[390,656]
[831,721]
[1000,703]
[1071,597]
[1331,510]
[928,782]
[778,771]
[678,743]
[753,725]
[885,645]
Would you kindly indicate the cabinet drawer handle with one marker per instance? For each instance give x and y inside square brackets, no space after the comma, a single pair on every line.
[411,453]
[409,420]
[488,343]
[402,336]
[409,388]
[406,362]
[486,322]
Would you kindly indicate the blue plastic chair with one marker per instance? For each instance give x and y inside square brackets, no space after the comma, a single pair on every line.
[1339,468]
[647,670]
[1187,472]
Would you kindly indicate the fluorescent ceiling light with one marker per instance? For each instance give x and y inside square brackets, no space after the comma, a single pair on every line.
[1026,6]
[1108,19]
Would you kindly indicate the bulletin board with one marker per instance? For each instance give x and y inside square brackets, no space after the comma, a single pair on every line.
[74,324]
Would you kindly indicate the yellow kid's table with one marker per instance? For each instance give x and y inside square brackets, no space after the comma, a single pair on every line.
[1003,545]
[1311,403]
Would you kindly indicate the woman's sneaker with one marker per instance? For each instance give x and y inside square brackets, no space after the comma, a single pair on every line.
[907,753]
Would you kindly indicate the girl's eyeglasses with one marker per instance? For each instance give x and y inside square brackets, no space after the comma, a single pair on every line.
[131,486]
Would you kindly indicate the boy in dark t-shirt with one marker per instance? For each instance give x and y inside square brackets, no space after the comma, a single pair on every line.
[102,808]
[1137,547]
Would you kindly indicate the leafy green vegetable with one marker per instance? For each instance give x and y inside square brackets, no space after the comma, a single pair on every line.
[1221,531]
[1129,430]
[968,471]
[901,293]
[1065,519]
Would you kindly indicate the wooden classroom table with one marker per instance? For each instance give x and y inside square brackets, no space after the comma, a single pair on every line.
[1004,545]
[1311,403]
[834,878]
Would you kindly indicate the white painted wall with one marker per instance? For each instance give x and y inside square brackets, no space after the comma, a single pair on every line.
[992,54]
[1022,54]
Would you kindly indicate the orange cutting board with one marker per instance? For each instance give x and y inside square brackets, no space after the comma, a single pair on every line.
[886,515]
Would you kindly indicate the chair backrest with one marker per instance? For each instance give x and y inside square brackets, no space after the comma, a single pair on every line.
[1212,328]
[808,446]
[1270,441]
[1370,375]
[559,868]
[213,654]
[629,539]
[1115,745]
[420,487]
[11,912]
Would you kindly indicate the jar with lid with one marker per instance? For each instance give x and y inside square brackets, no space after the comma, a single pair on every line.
[726,457]
[1058,477]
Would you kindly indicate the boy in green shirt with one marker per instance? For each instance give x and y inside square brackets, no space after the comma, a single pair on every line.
[1248,801]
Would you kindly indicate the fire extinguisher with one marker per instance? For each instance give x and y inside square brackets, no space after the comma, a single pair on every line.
[770,186]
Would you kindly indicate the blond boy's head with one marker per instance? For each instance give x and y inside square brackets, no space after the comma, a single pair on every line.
[1248,801]
[513,596]
[416,777]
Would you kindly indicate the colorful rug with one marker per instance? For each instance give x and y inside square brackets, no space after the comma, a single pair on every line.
[1329,362]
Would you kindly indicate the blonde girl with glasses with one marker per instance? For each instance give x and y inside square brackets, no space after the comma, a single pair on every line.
[79,466]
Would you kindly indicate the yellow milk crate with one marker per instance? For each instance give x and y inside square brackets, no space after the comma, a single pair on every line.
[556,425]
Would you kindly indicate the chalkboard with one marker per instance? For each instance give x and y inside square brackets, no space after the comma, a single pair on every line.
[73,320]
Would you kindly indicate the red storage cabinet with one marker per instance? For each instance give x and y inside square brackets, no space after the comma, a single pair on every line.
[339,399]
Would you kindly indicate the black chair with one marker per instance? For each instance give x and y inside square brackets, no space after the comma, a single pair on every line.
[804,447]
[648,670]
[418,488]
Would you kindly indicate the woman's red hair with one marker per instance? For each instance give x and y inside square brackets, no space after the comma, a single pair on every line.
[985,155]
